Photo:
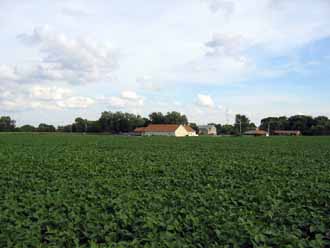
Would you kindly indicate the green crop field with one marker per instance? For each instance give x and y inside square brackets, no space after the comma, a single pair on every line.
[102,191]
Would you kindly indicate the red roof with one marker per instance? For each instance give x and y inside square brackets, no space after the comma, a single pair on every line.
[189,128]
[139,129]
[287,132]
[161,128]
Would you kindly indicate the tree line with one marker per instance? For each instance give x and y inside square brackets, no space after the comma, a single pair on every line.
[120,122]
[109,122]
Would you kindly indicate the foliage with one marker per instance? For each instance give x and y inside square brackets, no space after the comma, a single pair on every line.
[7,124]
[46,128]
[62,190]
[27,128]
[306,124]
[243,124]
[120,122]
[170,118]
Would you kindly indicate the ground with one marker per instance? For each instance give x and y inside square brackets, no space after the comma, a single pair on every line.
[61,190]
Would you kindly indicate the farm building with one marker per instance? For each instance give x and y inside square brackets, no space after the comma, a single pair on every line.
[207,130]
[256,133]
[166,130]
[139,130]
[287,133]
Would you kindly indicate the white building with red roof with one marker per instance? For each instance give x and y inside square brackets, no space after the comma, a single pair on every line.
[166,130]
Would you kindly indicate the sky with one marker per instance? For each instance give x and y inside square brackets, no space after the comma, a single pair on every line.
[208,59]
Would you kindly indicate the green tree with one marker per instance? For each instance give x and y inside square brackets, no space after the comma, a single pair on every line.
[7,124]
[157,118]
[80,125]
[227,129]
[175,118]
[194,126]
[302,123]
[120,122]
[27,128]
[46,128]
[274,123]
[243,124]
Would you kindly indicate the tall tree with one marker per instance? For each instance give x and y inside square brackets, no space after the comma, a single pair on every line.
[46,128]
[80,125]
[175,118]
[7,124]
[243,124]
[27,128]
[157,118]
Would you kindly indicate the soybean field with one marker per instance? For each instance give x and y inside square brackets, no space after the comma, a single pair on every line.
[62,190]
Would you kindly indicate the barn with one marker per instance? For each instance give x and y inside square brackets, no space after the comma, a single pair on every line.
[166,130]
[257,132]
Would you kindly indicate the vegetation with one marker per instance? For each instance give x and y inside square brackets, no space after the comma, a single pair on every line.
[62,190]
[119,122]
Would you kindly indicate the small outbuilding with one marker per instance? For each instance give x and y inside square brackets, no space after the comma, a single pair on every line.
[207,130]
[287,133]
[256,133]
[139,131]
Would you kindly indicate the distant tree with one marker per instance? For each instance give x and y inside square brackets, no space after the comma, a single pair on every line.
[227,130]
[27,128]
[302,123]
[274,123]
[194,126]
[7,124]
[46,128]
[93,127]
[80,125]
[157,118]
[120,122]
[66,128]
[219,128]
[243,124]
[321,126]
[146,121]
[175,118]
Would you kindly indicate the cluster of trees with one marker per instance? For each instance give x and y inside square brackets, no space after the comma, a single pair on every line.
[9,125]
[241,125]
[306,124]
[119,122]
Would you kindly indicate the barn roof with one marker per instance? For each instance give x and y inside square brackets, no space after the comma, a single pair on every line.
[287,132]
[189,128]
[161,128]
[256,132]
[139,129]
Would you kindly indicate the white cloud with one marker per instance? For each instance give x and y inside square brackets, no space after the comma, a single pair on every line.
[226,45]
[74,61]
[148,83]
[41,97]
[130,95]
[227,7]
[75,12]
[49,93]
[127,99]
[76,102]
[205,101]
[7,73]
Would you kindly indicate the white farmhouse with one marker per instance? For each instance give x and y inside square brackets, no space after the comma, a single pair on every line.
[167,130]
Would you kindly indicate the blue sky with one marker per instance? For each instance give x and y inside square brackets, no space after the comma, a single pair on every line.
[209,59]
